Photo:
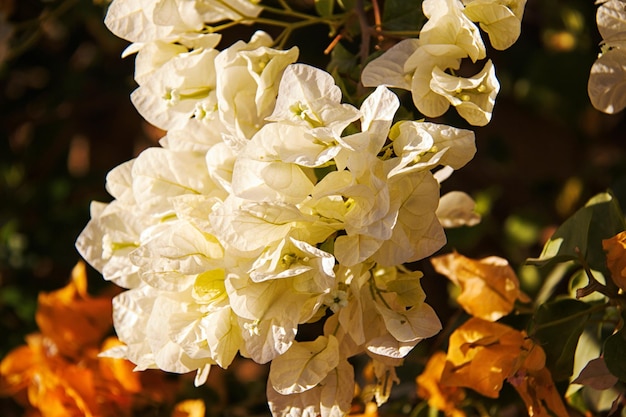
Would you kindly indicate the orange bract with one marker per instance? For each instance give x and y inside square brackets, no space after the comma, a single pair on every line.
[189,408]
[539,393]
[616,258]
[483,354]
[58,373]
[489,286]
[71,318]
[439,396]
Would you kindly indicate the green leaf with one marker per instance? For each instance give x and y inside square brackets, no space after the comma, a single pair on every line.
[557,326]
[403,15]
[346,4]
[614,348]
[324,7]
[601,218]
[342,61]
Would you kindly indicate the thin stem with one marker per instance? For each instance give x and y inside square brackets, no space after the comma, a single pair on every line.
[376,293]
[378,23]
[593,284]
[332,44]
[214,29]
[285,5]
[400,33]
[289,12]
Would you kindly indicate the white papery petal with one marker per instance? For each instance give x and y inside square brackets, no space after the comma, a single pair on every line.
[132,20]
[304,365]
[388,346]
[473,97]
[417,233]
[159,174]
[353,249]
[169,96]
[168,355]
[267,339]
[253,226]
[270,181]
[498,19]
[456,209]
[331,398]
[173,256]
[412,325]
[308,96]
[223,336]
[378,111]
[607,82]
[447,25]
[388,69]
[611,19]
[247,82]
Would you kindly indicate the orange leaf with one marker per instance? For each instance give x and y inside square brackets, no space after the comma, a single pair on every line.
[489,286]
[616,258]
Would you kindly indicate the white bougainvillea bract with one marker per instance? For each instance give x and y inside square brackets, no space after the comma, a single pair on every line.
[271,203]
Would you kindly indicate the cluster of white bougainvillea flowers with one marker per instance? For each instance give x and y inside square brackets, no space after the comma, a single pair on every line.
[271,203]
[607,81]
[426,65]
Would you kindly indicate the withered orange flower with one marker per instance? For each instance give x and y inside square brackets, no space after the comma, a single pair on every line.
[370,409]
[189,408]
[483,354]
[439,396]
[615,248]
[71,318]
[58,372]
[489,286]
[537,389]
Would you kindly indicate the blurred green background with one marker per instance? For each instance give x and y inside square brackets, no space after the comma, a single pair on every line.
[66,120]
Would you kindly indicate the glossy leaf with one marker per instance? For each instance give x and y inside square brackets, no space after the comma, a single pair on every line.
[582,234]
[324,7]
[557,328]
[403,15]
[614,348]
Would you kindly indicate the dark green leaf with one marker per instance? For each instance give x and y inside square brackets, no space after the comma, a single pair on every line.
[582,234]
[403,15]
[614,354]
[346,4]
[342,60]
[324,7]
[557,326]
